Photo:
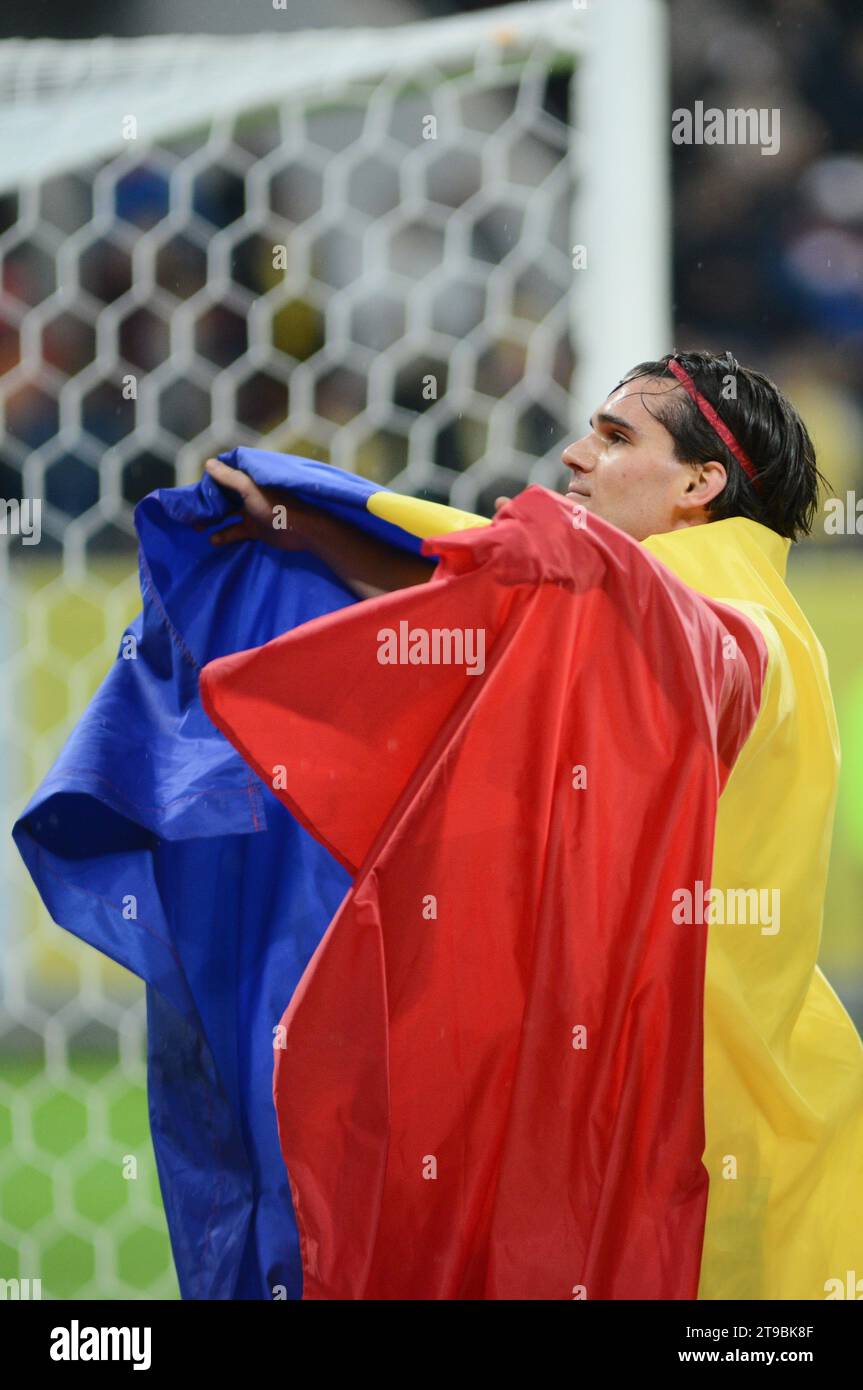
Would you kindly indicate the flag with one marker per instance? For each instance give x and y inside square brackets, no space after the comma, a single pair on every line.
[491,1082]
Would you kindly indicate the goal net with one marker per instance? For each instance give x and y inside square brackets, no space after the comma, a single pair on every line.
[385,249]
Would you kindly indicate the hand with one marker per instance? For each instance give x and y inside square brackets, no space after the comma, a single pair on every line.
[268,514]
[367,566]
[500,502]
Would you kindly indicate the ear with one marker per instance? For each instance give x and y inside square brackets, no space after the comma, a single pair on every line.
[705,481]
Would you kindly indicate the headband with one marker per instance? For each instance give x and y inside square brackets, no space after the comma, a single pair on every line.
[711,416]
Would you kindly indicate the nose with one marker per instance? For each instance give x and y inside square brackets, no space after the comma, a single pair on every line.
[577,456]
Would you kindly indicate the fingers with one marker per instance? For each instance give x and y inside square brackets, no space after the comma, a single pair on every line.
[500,502]
[233,478]
[239,530]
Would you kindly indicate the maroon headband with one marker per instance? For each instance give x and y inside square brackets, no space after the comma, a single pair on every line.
[710,415]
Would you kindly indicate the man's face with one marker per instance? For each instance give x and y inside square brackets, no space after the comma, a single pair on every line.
[624,469]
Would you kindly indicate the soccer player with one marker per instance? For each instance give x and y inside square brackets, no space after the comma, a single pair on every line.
[710,468]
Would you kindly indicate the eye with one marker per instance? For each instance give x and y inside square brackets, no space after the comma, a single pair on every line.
[616,437]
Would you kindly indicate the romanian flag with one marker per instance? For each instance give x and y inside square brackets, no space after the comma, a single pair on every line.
[703,1135]
[524,902]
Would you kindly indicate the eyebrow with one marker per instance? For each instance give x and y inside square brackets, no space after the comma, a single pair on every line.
[604,418]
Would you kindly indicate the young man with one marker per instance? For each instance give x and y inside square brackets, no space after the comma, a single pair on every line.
[709,467]
[565,1035]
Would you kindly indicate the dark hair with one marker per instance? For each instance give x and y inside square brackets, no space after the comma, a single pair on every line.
[766,426]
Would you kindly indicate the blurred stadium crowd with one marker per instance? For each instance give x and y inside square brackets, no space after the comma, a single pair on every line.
[769,249]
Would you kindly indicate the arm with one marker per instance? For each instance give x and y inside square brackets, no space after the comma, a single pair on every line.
[367,566]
